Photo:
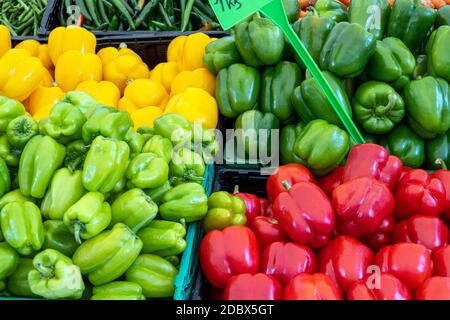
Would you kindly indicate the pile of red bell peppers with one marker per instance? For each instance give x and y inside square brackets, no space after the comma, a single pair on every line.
[371,230]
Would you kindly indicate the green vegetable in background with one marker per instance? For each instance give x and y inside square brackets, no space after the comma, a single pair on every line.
[9,259]
[173,127]
[438,53]
[224,210]
[20,130]
[9,153]
[220,54]
[443,17]
[373,15]
[17,283]
[58,237]
[163,238]
[147,170]
[421,67]
[160,146]
[108,122]
[186,166]
[288,135]
[14,196]
[5,180]
[292,9]
[86,103]
[9,110]
[156,194]
[135,141]
[331,8]
[438,148]
[118,290]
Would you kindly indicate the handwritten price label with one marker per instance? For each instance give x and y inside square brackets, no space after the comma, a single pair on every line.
[231,12]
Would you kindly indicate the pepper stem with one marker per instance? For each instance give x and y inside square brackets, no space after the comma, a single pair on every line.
[382,110]
[46,271]
[77,229]
[441,163]
[236,189]
[286,185]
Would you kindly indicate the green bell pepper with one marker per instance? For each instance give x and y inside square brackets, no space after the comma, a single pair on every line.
[438,53]
[311,103]
[9,110]
[292,9]
[427,106]
[21,224]
[187,202]
[147,170]
[160,146]
[20,130]
[421,67]
[58,237]
[105,165]
[135,141]
[372,15]
[65,189]
[288,135]
[154,274]
[41,157]
[443,16]
[438,148]
[331,8]
[322,146]
[224,210]
[89,216]
[156,194]
[278,82]
[55,276]
[237,89]
[313,31]
[173,127]
[410,22]
[186,166]
[146,132]
[86,103]
[221,54]
[378,107]
[163,238]
[14,196]
[204,143]
[347,50]
[76,152]
[118,290]
[405,144]
[17,283]
[65,122]
[392,62]
[133,208]
[107,256]
[5,179]
[9,259]
[9,153]
[253,38]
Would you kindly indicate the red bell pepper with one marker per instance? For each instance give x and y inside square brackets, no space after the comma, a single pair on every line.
[419,193]
[441,262]
[331,181]
[312,287]
[435,288]
[266,208]
[286,260]
[229,252]
[444,177]
[382,237]
[292,173]
[267,230]
[409,262]
[390,288]
[252,204]
[372,160]
[345,260]
[429,231]
[405,170]
[305,213]
[361,205]
[252,287]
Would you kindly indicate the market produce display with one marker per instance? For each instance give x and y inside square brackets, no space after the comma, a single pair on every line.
[22,18]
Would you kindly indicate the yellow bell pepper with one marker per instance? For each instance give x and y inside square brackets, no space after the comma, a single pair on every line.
[104,92]
[108,54]
[143,93]
[165,73]
[196,105]
[42,100]
[20,74]
[47,79]
[5,39]
[188,50]
[145,116]
[73,68]
[199,78]
[64,39]
[37,50]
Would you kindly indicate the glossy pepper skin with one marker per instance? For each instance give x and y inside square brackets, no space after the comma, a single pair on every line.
[252,204]
[220,54]
[316,286]
[277,84]
[382,236]
[392,62]
[251,39]
[325,157]
[257,286]
[406,145]
[58,237]
[156,194]
[14,196]
[89,216]
[331,8]
[237,89]
[345,260]
[310,102]
[118,290]
[160,146]
[390,289]
[443,17]
[378,107]
[147,170]
[441,262]
[427,106]
[288,135]
[438,60]
[83,101]
[55,276]
[187,201]
[331,181]
[434,288]
[267,231]
[20,130]
[339,54]
[428,231]
[66,122]
[186,166]
[444,177]
[5,179]
[9,262]
[163,238]
[371,160]
[306,222]
[409,262]
[21,225]
[40,158]
[419,193]
[226,253]
[366,13]
[438,151]
[107,256]
[9,110]
[105,164]
[17,283]
[173,127]
[10,154]
[410,22]
[224,210]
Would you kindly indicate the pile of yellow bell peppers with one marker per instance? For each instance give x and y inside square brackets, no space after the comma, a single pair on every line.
[38,75]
